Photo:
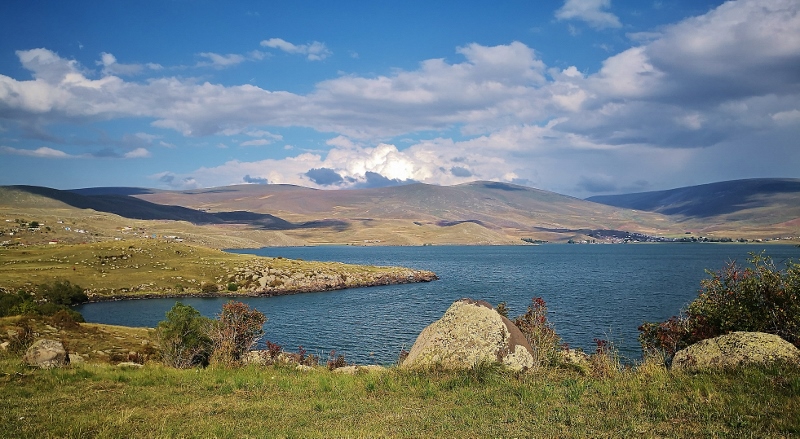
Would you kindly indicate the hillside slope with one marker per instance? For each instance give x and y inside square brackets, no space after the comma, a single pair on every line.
[510,211]
[766,206]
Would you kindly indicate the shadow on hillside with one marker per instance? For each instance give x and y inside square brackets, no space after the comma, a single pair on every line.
[707,200]
[122,204]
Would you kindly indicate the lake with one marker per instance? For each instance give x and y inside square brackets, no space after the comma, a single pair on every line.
[592,291]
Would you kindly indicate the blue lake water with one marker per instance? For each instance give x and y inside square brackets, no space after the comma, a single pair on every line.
[592,291]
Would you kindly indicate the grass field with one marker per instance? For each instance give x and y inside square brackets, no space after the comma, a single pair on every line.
[106,401]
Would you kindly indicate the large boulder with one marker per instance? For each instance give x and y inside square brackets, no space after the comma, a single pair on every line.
[736,349]
[46,354]
[470,333]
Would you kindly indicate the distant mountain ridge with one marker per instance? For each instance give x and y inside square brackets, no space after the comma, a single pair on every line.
[480,212]
[713,199]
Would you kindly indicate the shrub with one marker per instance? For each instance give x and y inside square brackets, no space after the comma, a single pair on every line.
[183,337]
[11,304]
[53,299]
[232,286]
[235,331]
[62,293]
[209,288]
[336,361]
[540,333]
[759,297]
[502,309]
[21,338]
[605,361]
[66,319]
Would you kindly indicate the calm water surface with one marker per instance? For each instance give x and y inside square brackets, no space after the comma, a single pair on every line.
[592,291]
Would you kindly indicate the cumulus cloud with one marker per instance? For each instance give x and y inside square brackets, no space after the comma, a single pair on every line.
[591,11]
[314,51]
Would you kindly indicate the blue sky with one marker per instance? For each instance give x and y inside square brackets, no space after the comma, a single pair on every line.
[580,97]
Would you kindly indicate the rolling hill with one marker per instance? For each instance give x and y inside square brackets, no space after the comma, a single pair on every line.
[482,212]
[473,213]
[766,206]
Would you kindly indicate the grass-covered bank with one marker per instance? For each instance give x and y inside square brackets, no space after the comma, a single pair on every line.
[143,268]
[105,401]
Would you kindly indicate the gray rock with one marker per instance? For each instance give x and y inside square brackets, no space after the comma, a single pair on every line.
[735,349]
[76,359]
[470,333]
[129,365]
[46,354]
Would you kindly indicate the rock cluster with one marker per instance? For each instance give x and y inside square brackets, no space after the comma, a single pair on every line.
[266,280]
[736,349]
[468,334]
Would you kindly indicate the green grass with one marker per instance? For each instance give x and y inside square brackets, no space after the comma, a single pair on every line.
[104,401]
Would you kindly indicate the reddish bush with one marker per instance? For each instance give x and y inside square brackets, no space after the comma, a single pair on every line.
[759,298]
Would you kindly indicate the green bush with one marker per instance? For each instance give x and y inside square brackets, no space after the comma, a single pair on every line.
[232,286]
[50,299]
[759,297]
[12,304]
[235,331]
[62,293]
[183,338]
[209,288]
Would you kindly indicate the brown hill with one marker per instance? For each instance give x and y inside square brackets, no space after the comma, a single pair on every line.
[478,212]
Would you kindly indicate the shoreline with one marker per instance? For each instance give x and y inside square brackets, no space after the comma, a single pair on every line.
[416,276]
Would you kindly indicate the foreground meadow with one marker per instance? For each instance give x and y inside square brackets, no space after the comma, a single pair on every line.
[101,400]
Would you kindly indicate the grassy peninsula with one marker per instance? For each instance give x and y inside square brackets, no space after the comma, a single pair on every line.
[141,268]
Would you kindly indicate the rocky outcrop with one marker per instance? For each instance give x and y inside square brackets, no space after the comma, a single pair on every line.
[470,333]
[46,354]
[736,349]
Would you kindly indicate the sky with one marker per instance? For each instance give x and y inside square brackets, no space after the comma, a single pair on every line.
[579,97]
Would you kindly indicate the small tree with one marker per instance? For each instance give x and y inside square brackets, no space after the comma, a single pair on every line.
[540,332]
[183,337]
[235,331]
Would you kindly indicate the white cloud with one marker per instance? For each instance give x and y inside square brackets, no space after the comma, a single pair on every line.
[221,61]
[256,142]
[138,153]
[787,117]
[590,11]
[43,152]
[314,51]
[112,67]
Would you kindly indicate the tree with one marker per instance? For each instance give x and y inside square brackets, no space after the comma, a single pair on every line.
[235,331]
[183,337]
